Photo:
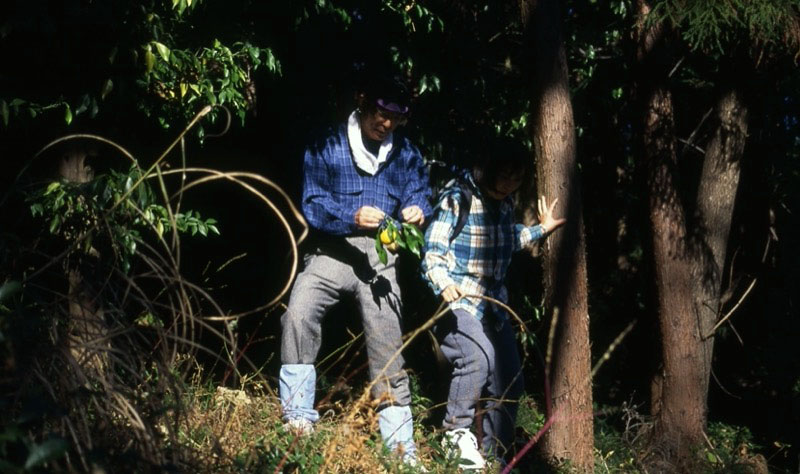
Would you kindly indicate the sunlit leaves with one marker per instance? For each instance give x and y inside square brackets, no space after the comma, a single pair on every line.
[392,235]
[180,6]
[67,114]
[108,85]
[429,82]
[413,15]
[162,50]
[218,74]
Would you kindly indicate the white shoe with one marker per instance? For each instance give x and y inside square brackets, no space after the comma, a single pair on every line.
[299,426]
[461,444]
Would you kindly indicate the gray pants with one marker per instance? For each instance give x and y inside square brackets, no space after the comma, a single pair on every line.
[350,269]
[485,362]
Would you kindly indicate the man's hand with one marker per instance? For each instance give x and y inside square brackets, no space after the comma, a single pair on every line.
[546,219]
[452,293]
[413,215]
[369,217]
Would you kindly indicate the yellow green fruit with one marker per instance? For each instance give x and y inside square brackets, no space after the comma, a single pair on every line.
[388,236]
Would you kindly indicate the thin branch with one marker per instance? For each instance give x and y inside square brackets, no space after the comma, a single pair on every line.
[735,307]
[607,354]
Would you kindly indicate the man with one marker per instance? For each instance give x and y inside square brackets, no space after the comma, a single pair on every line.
[354,178]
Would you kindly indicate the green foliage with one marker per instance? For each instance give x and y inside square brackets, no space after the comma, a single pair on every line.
[420,404]
[110,205]
[709,25]
[146,56]
[730,445]
[180,6]
[186,80]
[392,235]
[612,452]
[413,14]
[529,416]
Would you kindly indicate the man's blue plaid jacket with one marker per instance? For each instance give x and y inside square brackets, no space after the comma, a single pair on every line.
[334,188]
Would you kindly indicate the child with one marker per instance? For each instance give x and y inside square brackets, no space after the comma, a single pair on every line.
[468,249]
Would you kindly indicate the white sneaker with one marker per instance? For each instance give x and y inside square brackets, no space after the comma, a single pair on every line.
[299,426]
[461,444]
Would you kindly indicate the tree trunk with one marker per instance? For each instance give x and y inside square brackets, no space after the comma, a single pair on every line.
[571,435]
[719,183]
[679,398]
[87,330]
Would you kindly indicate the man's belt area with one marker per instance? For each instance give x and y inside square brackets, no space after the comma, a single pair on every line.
[338,248]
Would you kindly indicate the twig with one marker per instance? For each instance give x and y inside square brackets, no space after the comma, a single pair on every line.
[551,336]
[744,295]
[732,310]
[675,68]
[607,354]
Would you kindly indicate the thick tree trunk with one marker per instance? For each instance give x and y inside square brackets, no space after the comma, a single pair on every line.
[571,436]
[679,406]
[718,186]
[679,397]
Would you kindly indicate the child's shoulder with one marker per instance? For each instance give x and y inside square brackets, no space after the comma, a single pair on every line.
[455,192]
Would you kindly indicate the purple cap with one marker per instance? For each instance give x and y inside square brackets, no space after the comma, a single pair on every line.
[392,107]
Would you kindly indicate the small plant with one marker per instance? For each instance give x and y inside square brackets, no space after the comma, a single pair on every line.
[613,452]
[529,416]
[109,203]
[392,235]
[732,450]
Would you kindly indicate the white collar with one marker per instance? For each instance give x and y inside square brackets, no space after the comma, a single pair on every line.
[363,158]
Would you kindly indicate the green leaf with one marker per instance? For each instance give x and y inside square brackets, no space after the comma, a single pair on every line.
[85,102]
[381,251]
[413,231]
[41,453]
[162,50]
[52,187]
[413,247]
[108,85]
[55,223]
[9,289]
[67,114]
[149,61]
[37,209]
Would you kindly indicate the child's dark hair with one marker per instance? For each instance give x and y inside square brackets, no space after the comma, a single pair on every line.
[503,154]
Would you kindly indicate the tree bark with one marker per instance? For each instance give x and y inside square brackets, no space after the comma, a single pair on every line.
[679,397]
[87,328]
[565,282]
[719,183]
